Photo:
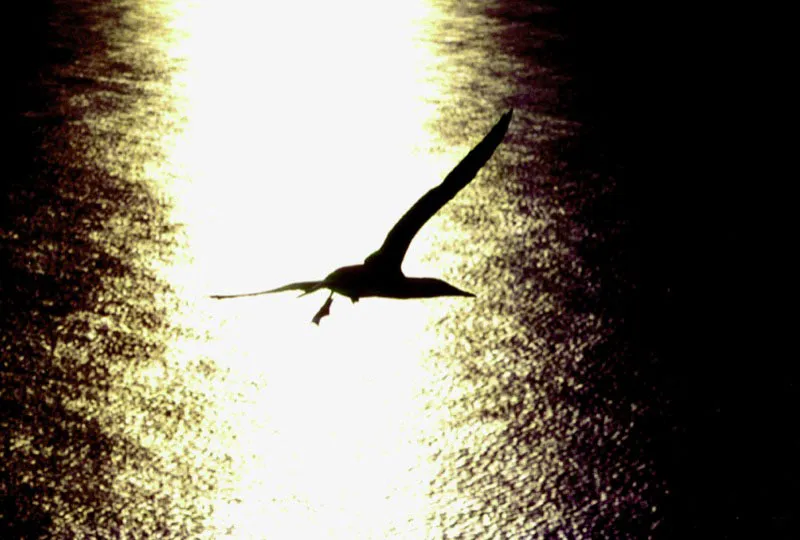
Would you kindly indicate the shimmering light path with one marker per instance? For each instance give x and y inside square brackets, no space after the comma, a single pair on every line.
[300,151]
[225,147]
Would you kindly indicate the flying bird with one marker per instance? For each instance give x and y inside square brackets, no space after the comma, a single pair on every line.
[380,274]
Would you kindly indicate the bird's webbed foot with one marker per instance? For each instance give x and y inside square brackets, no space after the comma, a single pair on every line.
[324,311]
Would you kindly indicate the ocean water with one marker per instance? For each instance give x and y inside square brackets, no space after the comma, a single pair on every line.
[164,151]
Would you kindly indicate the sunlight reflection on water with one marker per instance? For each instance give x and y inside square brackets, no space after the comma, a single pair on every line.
[192,148]
[184,149]
[304,142]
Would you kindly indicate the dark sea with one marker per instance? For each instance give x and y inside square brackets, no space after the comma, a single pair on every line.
[603,383]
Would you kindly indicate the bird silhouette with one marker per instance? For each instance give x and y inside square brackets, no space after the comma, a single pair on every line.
[380,274]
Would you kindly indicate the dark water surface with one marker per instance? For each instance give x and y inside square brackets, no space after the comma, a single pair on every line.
[163,151]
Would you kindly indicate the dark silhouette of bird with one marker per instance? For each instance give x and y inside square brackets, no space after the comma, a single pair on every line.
[380,274]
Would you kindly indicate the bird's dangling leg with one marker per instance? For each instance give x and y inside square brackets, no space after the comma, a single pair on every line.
[324,311]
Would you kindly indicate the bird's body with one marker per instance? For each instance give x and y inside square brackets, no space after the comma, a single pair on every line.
[381,274]
[364,280]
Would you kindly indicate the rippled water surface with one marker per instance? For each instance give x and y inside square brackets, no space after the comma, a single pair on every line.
[174,150]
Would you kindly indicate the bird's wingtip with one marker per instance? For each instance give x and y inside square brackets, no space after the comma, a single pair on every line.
[504,122]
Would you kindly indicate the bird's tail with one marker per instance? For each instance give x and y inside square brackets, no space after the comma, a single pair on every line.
[306,286]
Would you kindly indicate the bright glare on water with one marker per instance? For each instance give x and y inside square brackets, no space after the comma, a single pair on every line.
[229,147]
[304,141]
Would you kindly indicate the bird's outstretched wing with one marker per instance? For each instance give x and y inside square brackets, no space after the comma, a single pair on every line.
[305,286]
[391,253]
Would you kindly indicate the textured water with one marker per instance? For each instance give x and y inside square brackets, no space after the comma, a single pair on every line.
[166,151]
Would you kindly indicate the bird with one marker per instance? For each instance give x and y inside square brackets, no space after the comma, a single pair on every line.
[380,274]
